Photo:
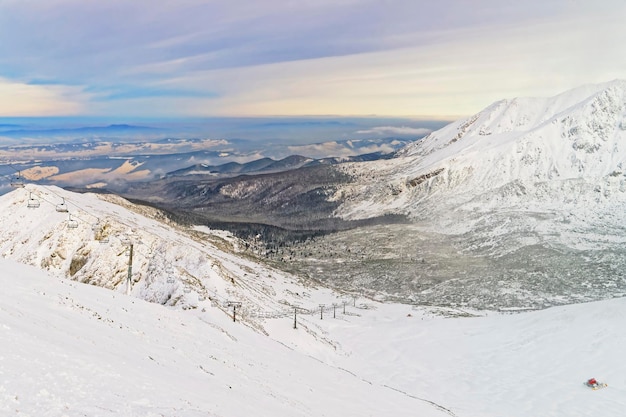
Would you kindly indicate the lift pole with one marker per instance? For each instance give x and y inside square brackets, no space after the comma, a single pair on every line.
[295,317]
[130,269]
[234,305]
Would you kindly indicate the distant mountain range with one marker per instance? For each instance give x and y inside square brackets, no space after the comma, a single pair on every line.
[269,165]
[103,163]
[17,131]
[521,205]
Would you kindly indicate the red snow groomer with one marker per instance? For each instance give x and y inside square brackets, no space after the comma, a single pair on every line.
[594,384]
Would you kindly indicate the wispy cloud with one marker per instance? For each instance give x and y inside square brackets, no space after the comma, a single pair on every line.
[200,57]
[20,99]
[322,150]
[393,130]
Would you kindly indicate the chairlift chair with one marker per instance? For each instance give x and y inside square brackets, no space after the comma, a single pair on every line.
[71,223]
[33,202]
[62,208]
[18,182]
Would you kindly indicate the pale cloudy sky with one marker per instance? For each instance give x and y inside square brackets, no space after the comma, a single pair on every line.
[423,58]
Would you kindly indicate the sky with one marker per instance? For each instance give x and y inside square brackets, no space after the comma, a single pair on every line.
[204,58]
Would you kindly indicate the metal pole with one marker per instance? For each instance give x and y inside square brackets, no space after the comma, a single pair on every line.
[130,270]
[295,317]
[322,311]
[234,305]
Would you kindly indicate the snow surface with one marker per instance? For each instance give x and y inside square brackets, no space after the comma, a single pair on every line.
[70,349]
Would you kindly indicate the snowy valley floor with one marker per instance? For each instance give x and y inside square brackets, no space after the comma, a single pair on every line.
[68,349]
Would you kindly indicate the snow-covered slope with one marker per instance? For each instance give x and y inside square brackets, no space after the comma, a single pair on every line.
[174,266]
[563,156]
[69,349]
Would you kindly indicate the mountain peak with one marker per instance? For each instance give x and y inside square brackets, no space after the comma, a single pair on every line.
[560,154]
[600,104]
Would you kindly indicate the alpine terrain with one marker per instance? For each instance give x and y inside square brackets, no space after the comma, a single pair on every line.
[401,306]
[522,205]
[294,349]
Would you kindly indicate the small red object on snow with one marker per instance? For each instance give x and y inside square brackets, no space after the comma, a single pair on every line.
[592,381]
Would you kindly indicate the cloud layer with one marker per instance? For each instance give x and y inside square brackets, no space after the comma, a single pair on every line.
[199,58]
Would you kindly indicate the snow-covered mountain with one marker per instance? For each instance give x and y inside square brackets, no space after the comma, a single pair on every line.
[72,349]
[87,238]
[522,205]
[560,159]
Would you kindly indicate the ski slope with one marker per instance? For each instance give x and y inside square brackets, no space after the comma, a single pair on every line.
[71,349]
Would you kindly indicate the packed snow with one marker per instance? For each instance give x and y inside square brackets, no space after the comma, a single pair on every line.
[70,349]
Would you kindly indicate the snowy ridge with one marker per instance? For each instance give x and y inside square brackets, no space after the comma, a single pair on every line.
[522,115]
[564,155]
[183,268]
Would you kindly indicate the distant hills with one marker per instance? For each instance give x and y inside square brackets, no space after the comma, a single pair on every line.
[17,131]
[268,165]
